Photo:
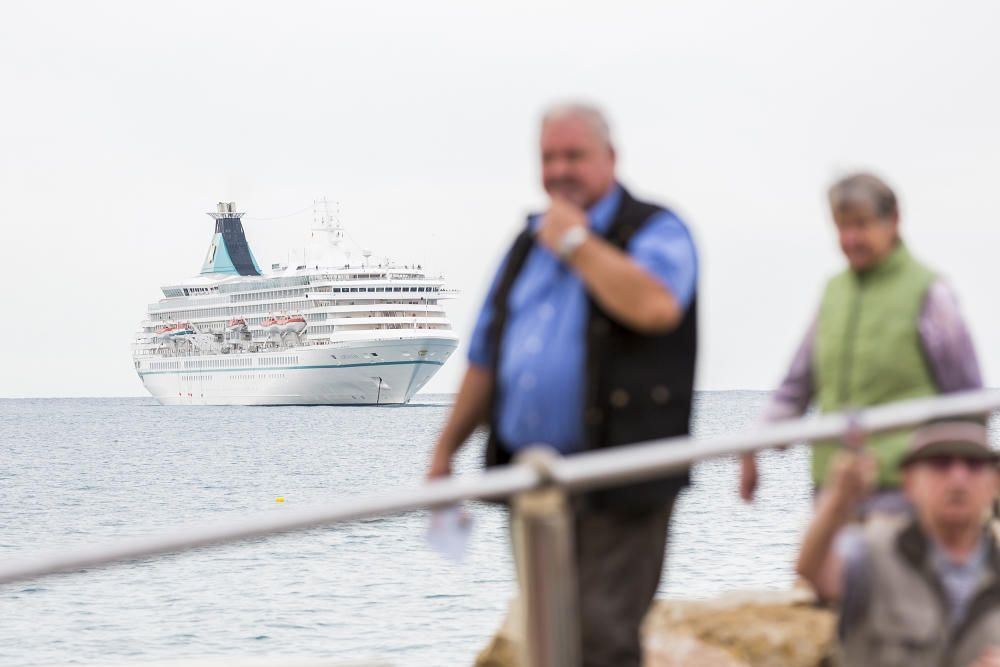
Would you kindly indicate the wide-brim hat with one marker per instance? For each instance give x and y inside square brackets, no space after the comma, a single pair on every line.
[963,439]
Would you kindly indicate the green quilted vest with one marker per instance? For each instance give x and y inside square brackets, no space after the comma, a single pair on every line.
[868,351]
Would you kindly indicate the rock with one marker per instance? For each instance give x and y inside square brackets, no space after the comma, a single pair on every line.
[503,650]
[782,629]
[500,652]
[680,649]
[752,630]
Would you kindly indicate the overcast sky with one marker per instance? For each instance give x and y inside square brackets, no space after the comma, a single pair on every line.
[121,123]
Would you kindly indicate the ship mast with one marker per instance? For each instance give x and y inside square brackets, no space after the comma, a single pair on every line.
[326,226]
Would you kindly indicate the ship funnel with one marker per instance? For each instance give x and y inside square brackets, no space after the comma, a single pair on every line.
[229,252]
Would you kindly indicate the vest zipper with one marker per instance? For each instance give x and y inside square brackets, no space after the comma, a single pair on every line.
[850,335]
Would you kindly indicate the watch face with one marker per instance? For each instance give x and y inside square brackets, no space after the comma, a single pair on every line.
[571,240]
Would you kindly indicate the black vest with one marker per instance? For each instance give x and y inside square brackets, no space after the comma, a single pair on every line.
[639,387]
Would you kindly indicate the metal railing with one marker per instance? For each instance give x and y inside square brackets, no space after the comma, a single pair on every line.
[539,482]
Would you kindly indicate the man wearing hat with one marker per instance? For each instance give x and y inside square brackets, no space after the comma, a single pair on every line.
[922,589]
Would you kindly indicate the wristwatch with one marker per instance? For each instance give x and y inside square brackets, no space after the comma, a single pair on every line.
[571,240]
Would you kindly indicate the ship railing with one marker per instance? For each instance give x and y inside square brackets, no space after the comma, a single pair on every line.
[538,485]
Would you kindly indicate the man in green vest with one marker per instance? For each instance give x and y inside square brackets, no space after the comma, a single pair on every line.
[888,329]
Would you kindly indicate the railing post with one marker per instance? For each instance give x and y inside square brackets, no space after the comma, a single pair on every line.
[543,548]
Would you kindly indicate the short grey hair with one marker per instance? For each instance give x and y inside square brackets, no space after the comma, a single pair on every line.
[588,112]
[863,188]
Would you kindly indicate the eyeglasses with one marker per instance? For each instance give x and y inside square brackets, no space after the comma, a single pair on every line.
[946,463]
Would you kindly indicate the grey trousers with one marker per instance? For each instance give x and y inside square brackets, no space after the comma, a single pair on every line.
[619,560]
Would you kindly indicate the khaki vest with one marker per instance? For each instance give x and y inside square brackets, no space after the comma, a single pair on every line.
[868,352]
[907,620]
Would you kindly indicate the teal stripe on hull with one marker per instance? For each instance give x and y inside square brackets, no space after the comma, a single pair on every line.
[256,369]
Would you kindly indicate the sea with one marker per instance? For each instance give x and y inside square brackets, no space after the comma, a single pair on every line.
[78,472]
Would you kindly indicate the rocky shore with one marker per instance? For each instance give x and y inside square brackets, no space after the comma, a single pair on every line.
[739,630]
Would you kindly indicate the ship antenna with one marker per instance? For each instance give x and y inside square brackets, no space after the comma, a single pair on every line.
[325,221]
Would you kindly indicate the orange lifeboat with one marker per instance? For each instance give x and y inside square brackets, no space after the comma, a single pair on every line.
[271,325]
[283,324]
[236,324]
[295,324]
[175,330]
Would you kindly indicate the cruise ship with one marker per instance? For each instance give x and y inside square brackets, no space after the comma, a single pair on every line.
[320,330]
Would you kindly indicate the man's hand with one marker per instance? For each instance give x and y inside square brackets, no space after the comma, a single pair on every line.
[470,410]
[440,463]
[628,292]
[989,658]
[852,476]
[562,216]
[748,477]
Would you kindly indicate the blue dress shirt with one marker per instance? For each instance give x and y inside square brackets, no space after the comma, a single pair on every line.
[542,372]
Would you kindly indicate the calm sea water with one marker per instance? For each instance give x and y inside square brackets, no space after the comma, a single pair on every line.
[78,471]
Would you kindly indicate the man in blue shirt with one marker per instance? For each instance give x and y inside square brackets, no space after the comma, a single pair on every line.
[587,340]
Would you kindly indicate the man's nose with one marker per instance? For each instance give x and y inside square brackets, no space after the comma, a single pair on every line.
[849,237]
[959,473]
[557,167]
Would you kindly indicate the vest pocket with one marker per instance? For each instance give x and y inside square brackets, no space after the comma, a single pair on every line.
[903,654]
[644,410]
[903,647]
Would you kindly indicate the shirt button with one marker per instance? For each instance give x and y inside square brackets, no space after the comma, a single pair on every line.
[660,394]
[619,398]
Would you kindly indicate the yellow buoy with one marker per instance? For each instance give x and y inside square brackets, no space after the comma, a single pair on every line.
[279,499]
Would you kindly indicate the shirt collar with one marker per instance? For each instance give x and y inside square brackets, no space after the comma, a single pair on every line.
[943,562]
[603,211]
[896,258]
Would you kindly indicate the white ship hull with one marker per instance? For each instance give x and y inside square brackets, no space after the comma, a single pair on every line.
[373,372]
[325,332]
